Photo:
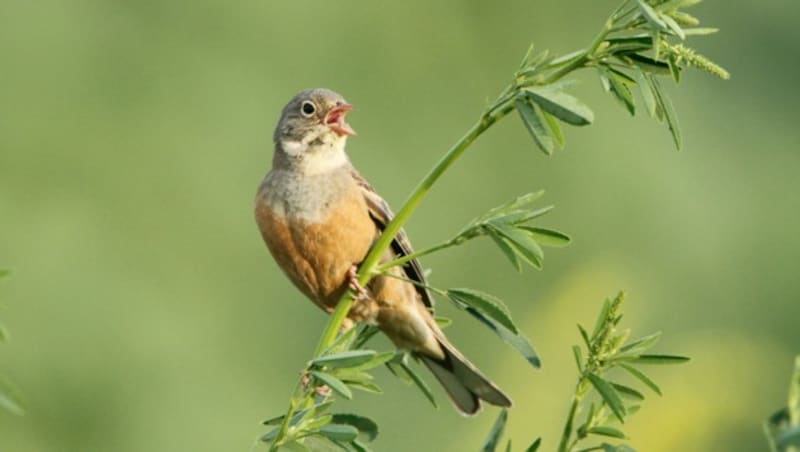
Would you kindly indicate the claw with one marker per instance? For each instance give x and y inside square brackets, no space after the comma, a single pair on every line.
[361,292]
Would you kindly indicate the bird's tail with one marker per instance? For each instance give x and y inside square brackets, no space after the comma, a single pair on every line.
[463,381]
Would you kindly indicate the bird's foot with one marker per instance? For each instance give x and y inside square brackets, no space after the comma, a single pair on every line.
[361,291]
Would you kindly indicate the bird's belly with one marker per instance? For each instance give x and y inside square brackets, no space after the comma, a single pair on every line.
[316,254]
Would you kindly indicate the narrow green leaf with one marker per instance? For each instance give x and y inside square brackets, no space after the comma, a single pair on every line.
[659,359]
[314,424]
[646,63]
[534,447]
[641,344]
[496,433]
[561,105]
[535,124]
[365,425]
[635,43]
[666,106]
[344,341]
[609,395]
[349,358]
[426,390]
[576,352]
[508,445]
[651,15]
[602,318]
[628,392]
[365,386]
[585,337]
[338,386]
[607,431]
[700,31]
[646,92]
[548,237]
[270,435]
[339,432]
[555,129]
[617,85]
[397,370]
[375,361]
[523,243]
[673,26]
[617,448]
[11,397]
[520,217]
[485,303]
[516,340]
[642,377]
[508,251]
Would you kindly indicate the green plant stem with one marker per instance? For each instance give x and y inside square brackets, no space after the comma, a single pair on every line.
[567,433]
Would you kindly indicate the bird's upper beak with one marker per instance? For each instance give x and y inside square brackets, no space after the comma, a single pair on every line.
[335,120]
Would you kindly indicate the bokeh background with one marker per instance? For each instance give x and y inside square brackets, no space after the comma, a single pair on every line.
[146,313]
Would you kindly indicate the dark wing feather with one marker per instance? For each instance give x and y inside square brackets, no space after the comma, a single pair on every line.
[381,214]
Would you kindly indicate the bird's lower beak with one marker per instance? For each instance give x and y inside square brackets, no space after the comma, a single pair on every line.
[335,120]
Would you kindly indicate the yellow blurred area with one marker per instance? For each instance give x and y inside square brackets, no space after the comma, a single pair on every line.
[146,314]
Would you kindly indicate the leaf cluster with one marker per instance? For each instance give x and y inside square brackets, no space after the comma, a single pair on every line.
[783,427]
[10,396]
[636,46]
[606,402]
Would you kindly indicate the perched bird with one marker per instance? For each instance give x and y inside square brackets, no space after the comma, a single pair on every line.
[319,218]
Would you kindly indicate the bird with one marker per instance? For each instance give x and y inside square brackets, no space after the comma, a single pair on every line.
[319,219]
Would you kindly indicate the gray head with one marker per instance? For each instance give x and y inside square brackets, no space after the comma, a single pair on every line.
[314,114]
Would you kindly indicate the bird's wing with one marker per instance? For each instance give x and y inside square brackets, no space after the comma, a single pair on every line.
[381,214]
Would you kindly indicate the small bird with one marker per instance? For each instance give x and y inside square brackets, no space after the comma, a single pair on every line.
[319,218]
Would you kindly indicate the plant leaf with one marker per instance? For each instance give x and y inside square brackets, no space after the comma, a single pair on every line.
[633,43]
[641,344]
[627,391]
[375,361]
[576,352]
[485,303]
[790,437]
[548,237]
[561,105]
[617,84]
[334,383]
[642,377]
[366,386]
[607,431]
[535,123]
[339,432]
[365,425]
[609,395]
[524,244]
[516,340]
[666,106]
[555,129]
[350,358]
[426,390]
[496,433]
[647,64]
[508,251]
[534,446]
[651,15]
[658,359]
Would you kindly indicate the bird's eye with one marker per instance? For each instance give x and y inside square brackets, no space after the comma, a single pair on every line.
[308,108]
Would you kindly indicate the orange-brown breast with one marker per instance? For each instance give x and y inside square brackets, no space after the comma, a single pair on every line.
[316,255]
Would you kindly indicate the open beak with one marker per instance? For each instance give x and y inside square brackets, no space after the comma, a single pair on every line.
[335,120]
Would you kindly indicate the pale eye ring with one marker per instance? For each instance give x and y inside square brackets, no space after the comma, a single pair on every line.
[307,108]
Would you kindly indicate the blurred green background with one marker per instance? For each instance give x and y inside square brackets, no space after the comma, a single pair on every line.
[147,314]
